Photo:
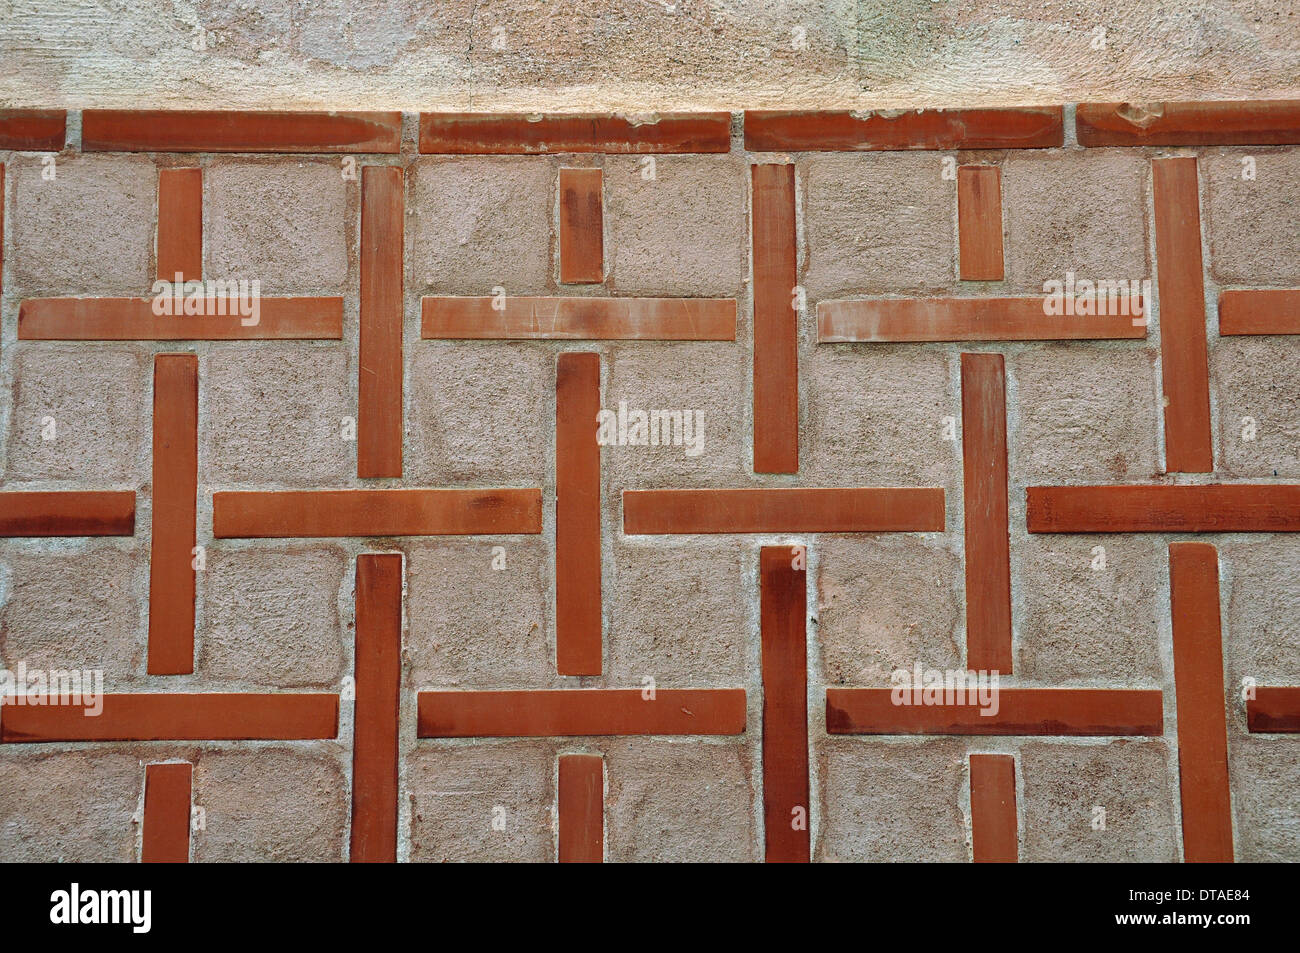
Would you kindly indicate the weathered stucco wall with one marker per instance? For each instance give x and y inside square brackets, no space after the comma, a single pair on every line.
[641,54]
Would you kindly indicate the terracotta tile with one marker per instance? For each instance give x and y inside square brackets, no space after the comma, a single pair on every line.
[1213,508]
[633,319]
[504,133]
[979,222]
[164,130]
[967,319]
[578,712]
[175,510]
[67,513]
[378,688]
[1258,123]
[1271,311]
[810,510]
[166,838]
[582,224]
[32,130]
[1029,127]
[1181,279]
[988,544]
[577,516]
[133,319]
[379,399]
[776,346]
[582,809]
[995,834]
[1274,709]
[397,512]
[1199,693]
[783,607]
[172,716]
[1021,711]
[180,224]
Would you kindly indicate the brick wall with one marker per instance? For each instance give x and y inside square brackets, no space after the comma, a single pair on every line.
[365,581]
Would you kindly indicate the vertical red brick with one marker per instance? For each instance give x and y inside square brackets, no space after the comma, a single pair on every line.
[175,491]
[378,682]
[979,222]
[1181,280]
[577,515]
[988,544]
[582,241]
[582,809]
[994,828]
[1199,692]
[776,358]
[167,814]
[379,385]
[180,224]
[783,599]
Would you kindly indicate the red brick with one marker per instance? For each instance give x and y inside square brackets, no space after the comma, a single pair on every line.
[163,130]
[776,345]
[166,838]
[1271,311]
[582,223]
[1274,709]
[1181,279]
[1260,123]
[1213,508]
[379,376]
[67,513]
[783,596]
[1198,690]
[378,692]
[1021,711]
[132,319]
[167,716]
[995,836]
[988,544]
[811,510]
[180,224]
[32,130]
[576,712]
[504,133]
[396,512]
[979,222]
[175,511]
[965,319]
[633,319]
[582,809]
[1029,127]
[577,516]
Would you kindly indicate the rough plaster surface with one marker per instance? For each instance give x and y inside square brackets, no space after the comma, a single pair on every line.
[641,54]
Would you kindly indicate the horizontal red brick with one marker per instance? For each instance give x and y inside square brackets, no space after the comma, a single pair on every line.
[1215,508]
[1272,311]
[176,716]
[214,130]
[519,133]
[1260,123]
[629,319]
[1020,711]
[67,513]
[1274,709]
[1028,127]
[314,513]
[577,712]
[816,510]
[32,130]
[132,319]
[969,319]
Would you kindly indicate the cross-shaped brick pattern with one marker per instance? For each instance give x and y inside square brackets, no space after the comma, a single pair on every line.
[511,237]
